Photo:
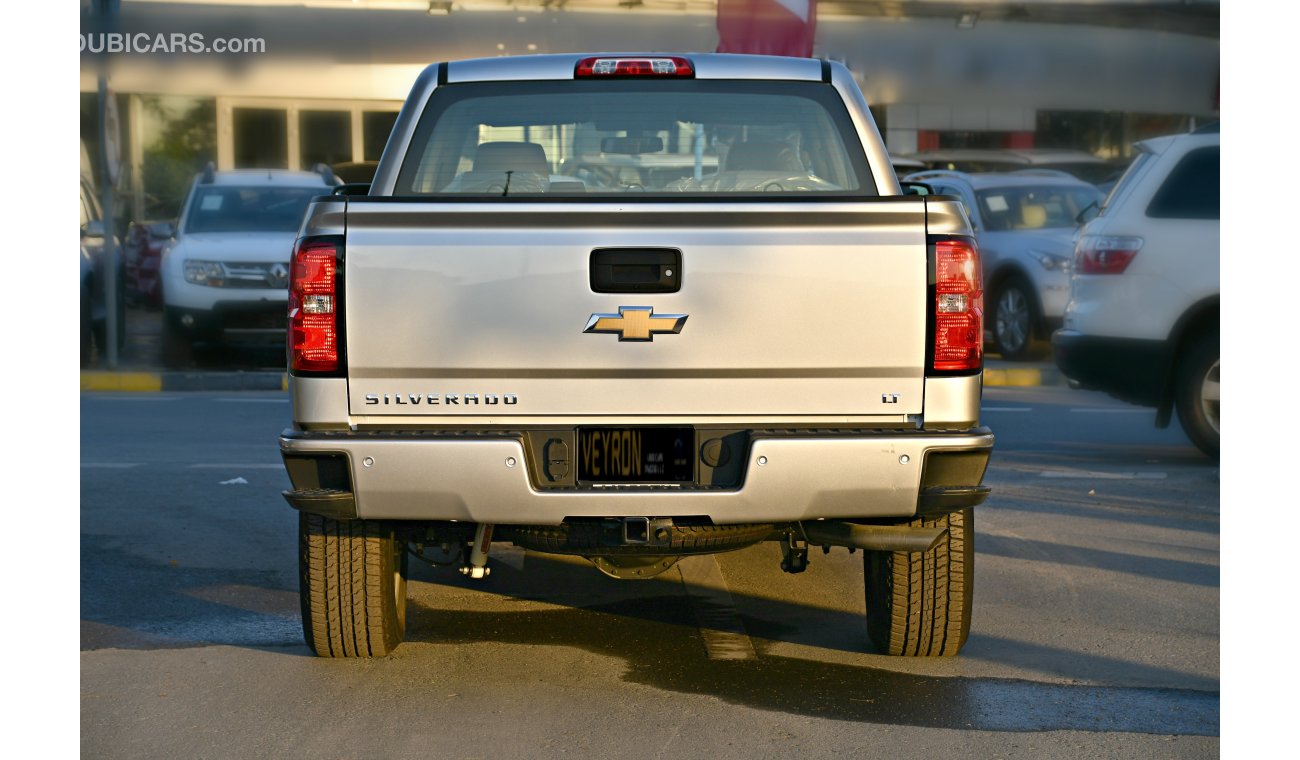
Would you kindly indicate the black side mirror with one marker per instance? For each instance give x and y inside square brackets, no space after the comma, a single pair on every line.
[916,188]
[352,188]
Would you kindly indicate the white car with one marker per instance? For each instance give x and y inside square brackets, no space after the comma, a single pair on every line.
[226,274]
[1024,223]
[1143,319]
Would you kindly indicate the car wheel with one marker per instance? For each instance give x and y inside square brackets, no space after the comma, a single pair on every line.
[352,586]
[919,603]
[1196,392]
[177,348]
[1015,317]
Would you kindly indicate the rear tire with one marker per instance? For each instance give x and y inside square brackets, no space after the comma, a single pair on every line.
[1197,394]
[919,603]
[1015,319]
[352,586]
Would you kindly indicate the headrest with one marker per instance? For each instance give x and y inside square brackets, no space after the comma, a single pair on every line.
[1033,216]
[764,156]
[511,157]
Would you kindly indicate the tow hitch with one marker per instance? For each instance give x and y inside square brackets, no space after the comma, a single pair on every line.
[794,553]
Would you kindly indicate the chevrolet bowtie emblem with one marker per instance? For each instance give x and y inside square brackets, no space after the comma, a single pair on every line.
[635,323]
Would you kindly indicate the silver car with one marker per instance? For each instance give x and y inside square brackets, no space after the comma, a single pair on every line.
[1024,224]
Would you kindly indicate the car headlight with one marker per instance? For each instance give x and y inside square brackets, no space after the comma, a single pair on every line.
[200,272]
[1051,262]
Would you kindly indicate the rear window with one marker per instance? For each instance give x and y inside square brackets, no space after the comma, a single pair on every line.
[1129,176]
[624,139]
[227,208]
[1032,208]
[1191,191]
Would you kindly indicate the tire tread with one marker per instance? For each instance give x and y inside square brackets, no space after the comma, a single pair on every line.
[346,587]
[919,603]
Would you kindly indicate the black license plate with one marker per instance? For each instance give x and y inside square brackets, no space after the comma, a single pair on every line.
[636,455]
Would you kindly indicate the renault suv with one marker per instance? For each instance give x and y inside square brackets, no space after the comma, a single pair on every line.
[226,274]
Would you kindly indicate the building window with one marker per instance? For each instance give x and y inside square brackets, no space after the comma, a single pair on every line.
[324,137]
[375,127]
[261,138]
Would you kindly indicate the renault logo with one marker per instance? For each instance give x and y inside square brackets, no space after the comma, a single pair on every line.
[635,323]
[277,276]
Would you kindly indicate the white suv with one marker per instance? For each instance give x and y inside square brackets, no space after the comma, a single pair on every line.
[1143,319]
[226,274]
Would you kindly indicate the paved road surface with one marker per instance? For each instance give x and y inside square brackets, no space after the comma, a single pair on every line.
[1095,627]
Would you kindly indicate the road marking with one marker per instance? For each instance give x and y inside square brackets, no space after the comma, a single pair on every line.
[1104,475]
[720,625]
[237,466]
[1107,410]
[109,465]
[1006,409]
[252,400]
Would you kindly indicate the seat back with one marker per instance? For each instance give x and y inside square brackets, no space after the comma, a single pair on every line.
[511,157]
[764,156]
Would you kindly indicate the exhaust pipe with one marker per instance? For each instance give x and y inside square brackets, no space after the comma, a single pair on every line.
[873,538]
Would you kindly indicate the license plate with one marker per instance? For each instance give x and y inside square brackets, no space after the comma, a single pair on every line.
[636,455]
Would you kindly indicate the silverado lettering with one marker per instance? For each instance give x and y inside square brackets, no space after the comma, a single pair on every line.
[432,399]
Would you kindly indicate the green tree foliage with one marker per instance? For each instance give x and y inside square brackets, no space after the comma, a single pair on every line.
[183,139]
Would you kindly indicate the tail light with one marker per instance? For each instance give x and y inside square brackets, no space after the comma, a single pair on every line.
[314,288]
[1105,254]
[958,306]
[638,66]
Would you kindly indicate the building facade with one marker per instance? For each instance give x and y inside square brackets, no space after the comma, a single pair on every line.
[331,75]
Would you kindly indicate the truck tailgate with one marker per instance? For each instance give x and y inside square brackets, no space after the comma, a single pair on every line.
[792,310]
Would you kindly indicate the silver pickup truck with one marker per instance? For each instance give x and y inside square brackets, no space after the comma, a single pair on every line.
[634,308]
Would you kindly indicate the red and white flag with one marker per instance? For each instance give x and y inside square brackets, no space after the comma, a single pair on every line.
[768,27]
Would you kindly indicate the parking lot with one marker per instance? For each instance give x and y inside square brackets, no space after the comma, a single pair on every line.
[1095,629]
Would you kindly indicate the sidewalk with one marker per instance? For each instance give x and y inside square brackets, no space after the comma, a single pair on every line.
[140,367]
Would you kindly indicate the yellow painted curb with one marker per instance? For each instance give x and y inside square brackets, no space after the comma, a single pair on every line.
[1019,378]
[121,381]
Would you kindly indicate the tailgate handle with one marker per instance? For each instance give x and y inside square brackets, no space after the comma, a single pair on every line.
[636,270]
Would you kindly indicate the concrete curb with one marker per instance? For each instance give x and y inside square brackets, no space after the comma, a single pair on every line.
[184,381]
[994,377]
[1022,377]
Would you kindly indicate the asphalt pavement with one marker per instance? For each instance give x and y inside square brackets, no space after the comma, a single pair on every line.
[1095,628]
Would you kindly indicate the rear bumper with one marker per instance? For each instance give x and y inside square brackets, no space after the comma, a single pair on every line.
[485,478]
[1130,369]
